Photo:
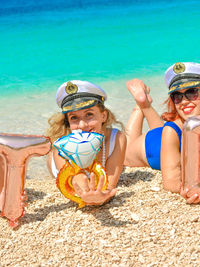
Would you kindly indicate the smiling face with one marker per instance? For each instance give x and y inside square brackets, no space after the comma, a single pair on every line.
[188,108]
[90,119]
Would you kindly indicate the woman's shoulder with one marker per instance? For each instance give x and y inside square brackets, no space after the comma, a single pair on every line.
[114,132]
[172,132]
[115,136]
[119,136]
[174,124]
[116,140]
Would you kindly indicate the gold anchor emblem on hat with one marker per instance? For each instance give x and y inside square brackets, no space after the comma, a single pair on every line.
[179,67]
[71,88]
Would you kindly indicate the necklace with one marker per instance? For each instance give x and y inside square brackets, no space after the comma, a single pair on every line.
[104,152]
[103,156]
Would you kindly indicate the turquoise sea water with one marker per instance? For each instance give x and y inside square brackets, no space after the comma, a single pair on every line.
[44,43]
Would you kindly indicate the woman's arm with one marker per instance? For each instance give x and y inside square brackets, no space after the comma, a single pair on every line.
[114,165]
[170,160]
[86,189]
[171,166]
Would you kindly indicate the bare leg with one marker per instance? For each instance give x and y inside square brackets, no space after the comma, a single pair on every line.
[135,124]
[135,152]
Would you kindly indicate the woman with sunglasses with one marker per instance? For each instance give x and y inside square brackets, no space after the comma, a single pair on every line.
[160,147]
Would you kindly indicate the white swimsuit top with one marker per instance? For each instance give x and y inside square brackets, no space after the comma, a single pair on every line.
[111,148]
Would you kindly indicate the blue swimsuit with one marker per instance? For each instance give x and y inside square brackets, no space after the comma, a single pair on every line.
[153,144]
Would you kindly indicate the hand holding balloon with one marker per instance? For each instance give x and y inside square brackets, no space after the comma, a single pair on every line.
[80,149]
[91,194]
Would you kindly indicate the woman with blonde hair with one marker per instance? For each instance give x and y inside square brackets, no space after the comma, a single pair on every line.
[82,106]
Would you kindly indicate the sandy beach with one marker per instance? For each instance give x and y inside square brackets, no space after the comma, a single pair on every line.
[45,43]
[143,225]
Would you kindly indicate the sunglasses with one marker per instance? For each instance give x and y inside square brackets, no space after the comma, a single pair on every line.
[190,94]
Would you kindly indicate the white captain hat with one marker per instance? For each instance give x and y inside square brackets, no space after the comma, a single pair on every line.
[182,75]
[75,95]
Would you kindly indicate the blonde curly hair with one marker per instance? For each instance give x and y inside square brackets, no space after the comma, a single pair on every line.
[59,125]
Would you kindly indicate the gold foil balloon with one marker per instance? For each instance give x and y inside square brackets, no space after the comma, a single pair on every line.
[66,174]
[15,150]
[80,149]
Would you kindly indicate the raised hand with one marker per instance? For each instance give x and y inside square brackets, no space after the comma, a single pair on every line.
[89,194]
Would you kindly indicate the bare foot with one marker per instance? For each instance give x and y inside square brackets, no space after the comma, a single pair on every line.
[140,92]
